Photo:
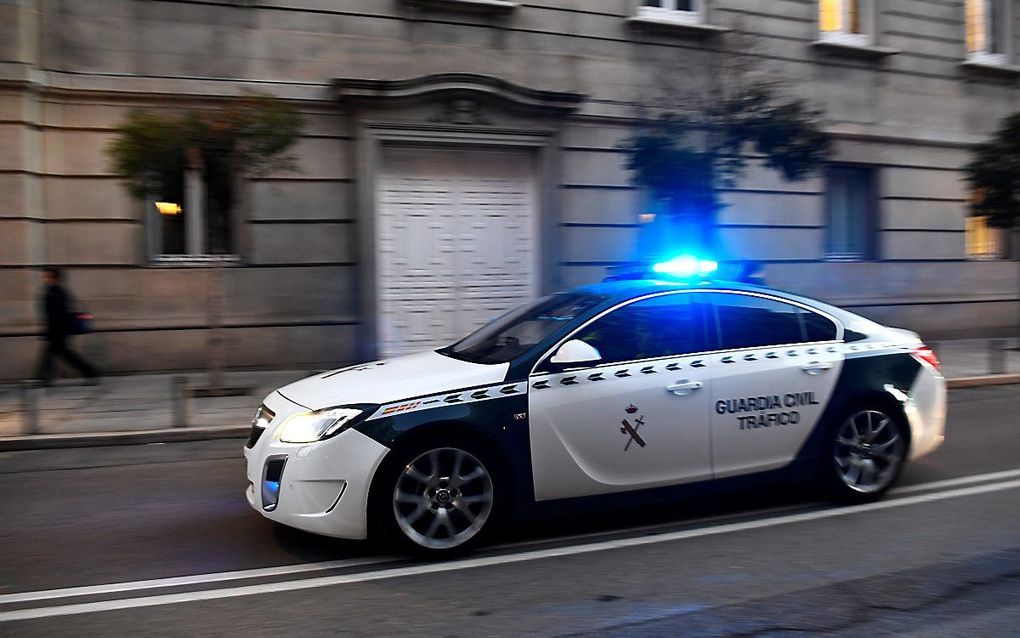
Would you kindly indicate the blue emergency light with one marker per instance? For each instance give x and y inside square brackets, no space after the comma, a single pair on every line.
[681,267]
[686,266]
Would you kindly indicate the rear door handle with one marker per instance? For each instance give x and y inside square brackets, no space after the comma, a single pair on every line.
[683,388]
[816,367]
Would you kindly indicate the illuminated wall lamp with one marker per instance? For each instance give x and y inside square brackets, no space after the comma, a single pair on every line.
[168,208]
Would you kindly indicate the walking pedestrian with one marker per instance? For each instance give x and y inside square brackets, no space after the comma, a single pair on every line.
[60,325]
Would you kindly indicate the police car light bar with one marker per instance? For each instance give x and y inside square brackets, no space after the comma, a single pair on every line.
[686,266]
[682,267]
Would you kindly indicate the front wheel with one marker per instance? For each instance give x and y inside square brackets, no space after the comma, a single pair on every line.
[866,454]
[438,500]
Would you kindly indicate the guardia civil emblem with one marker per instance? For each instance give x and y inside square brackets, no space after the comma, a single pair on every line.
[632,430]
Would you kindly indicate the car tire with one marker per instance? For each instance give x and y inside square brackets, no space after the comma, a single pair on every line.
[438,500]
[864,453]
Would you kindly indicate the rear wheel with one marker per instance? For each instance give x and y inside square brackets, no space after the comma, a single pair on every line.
[867,452]
[438,500]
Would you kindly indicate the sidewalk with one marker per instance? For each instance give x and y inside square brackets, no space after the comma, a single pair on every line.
[970,358]
[139,408]
[123,408]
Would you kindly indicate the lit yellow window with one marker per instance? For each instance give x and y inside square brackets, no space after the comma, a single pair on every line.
[988,29]
[840,16]
[983,241]
[977,21]
[830,17]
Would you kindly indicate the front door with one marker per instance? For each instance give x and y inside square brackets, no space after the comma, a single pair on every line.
[777,371]
[455,239]
[638,418]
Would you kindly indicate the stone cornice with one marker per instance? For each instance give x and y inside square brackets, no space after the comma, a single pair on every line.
[364,92]
[473,6]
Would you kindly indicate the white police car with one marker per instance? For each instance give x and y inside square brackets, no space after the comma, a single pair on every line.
[636,389]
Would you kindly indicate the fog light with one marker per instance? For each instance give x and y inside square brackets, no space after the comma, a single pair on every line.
[271,477]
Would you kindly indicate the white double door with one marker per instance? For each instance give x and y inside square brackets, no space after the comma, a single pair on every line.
[455,243]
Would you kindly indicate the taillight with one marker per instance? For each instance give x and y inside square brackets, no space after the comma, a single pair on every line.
[927,355]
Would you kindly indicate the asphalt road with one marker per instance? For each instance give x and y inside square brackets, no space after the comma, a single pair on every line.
[939,556]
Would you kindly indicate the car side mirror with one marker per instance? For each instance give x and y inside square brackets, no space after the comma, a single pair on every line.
[575,352]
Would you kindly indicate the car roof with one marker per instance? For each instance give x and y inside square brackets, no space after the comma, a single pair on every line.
[623,289]
[620,290]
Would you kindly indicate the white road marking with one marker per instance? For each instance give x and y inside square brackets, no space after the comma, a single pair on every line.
[487,561]
[198,579]
[954,482]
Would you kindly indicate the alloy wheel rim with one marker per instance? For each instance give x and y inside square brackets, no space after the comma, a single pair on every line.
[443,498]
[868,451]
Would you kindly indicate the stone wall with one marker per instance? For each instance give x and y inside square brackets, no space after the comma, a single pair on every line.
[70,71]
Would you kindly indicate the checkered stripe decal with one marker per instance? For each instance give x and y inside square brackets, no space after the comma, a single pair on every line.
[625,370]
[622,371]
[456,397]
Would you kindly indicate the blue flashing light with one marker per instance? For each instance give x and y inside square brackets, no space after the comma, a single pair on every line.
[270,494]
[685,266]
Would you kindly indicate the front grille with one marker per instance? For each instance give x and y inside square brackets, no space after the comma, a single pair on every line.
[263,417]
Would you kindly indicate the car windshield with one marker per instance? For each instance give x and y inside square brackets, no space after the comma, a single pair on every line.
[511,335]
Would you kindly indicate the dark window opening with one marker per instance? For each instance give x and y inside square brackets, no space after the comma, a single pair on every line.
[851,203]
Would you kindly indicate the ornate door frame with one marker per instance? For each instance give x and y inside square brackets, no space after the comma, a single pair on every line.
[448,111]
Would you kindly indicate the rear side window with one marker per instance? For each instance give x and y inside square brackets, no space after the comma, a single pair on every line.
[817,327]
[661,326]
[746,321]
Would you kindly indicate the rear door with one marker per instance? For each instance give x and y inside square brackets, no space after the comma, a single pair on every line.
[776,371]
[638,418]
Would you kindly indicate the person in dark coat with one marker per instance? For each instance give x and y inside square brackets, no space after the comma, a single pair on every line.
[59,326]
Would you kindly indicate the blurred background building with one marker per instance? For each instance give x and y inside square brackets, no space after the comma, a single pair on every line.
[460,156]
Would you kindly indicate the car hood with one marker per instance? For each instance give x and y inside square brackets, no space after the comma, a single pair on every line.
[391,380]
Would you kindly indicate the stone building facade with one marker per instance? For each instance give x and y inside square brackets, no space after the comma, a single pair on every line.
[462,155]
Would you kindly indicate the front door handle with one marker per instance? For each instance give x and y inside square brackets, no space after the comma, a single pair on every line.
[685,387]
[816,367]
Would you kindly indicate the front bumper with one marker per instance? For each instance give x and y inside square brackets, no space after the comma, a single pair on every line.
[324,485]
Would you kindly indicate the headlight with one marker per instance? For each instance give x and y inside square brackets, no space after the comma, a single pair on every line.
[315,426]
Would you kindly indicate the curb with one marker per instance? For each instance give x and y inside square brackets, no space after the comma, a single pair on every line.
[985,380]
[130,437]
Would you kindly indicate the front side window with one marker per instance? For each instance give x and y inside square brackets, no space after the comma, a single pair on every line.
[521,329]
[691,11]
[845,21]
[850,213]
[983,240]
[663,326]
[747,321]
